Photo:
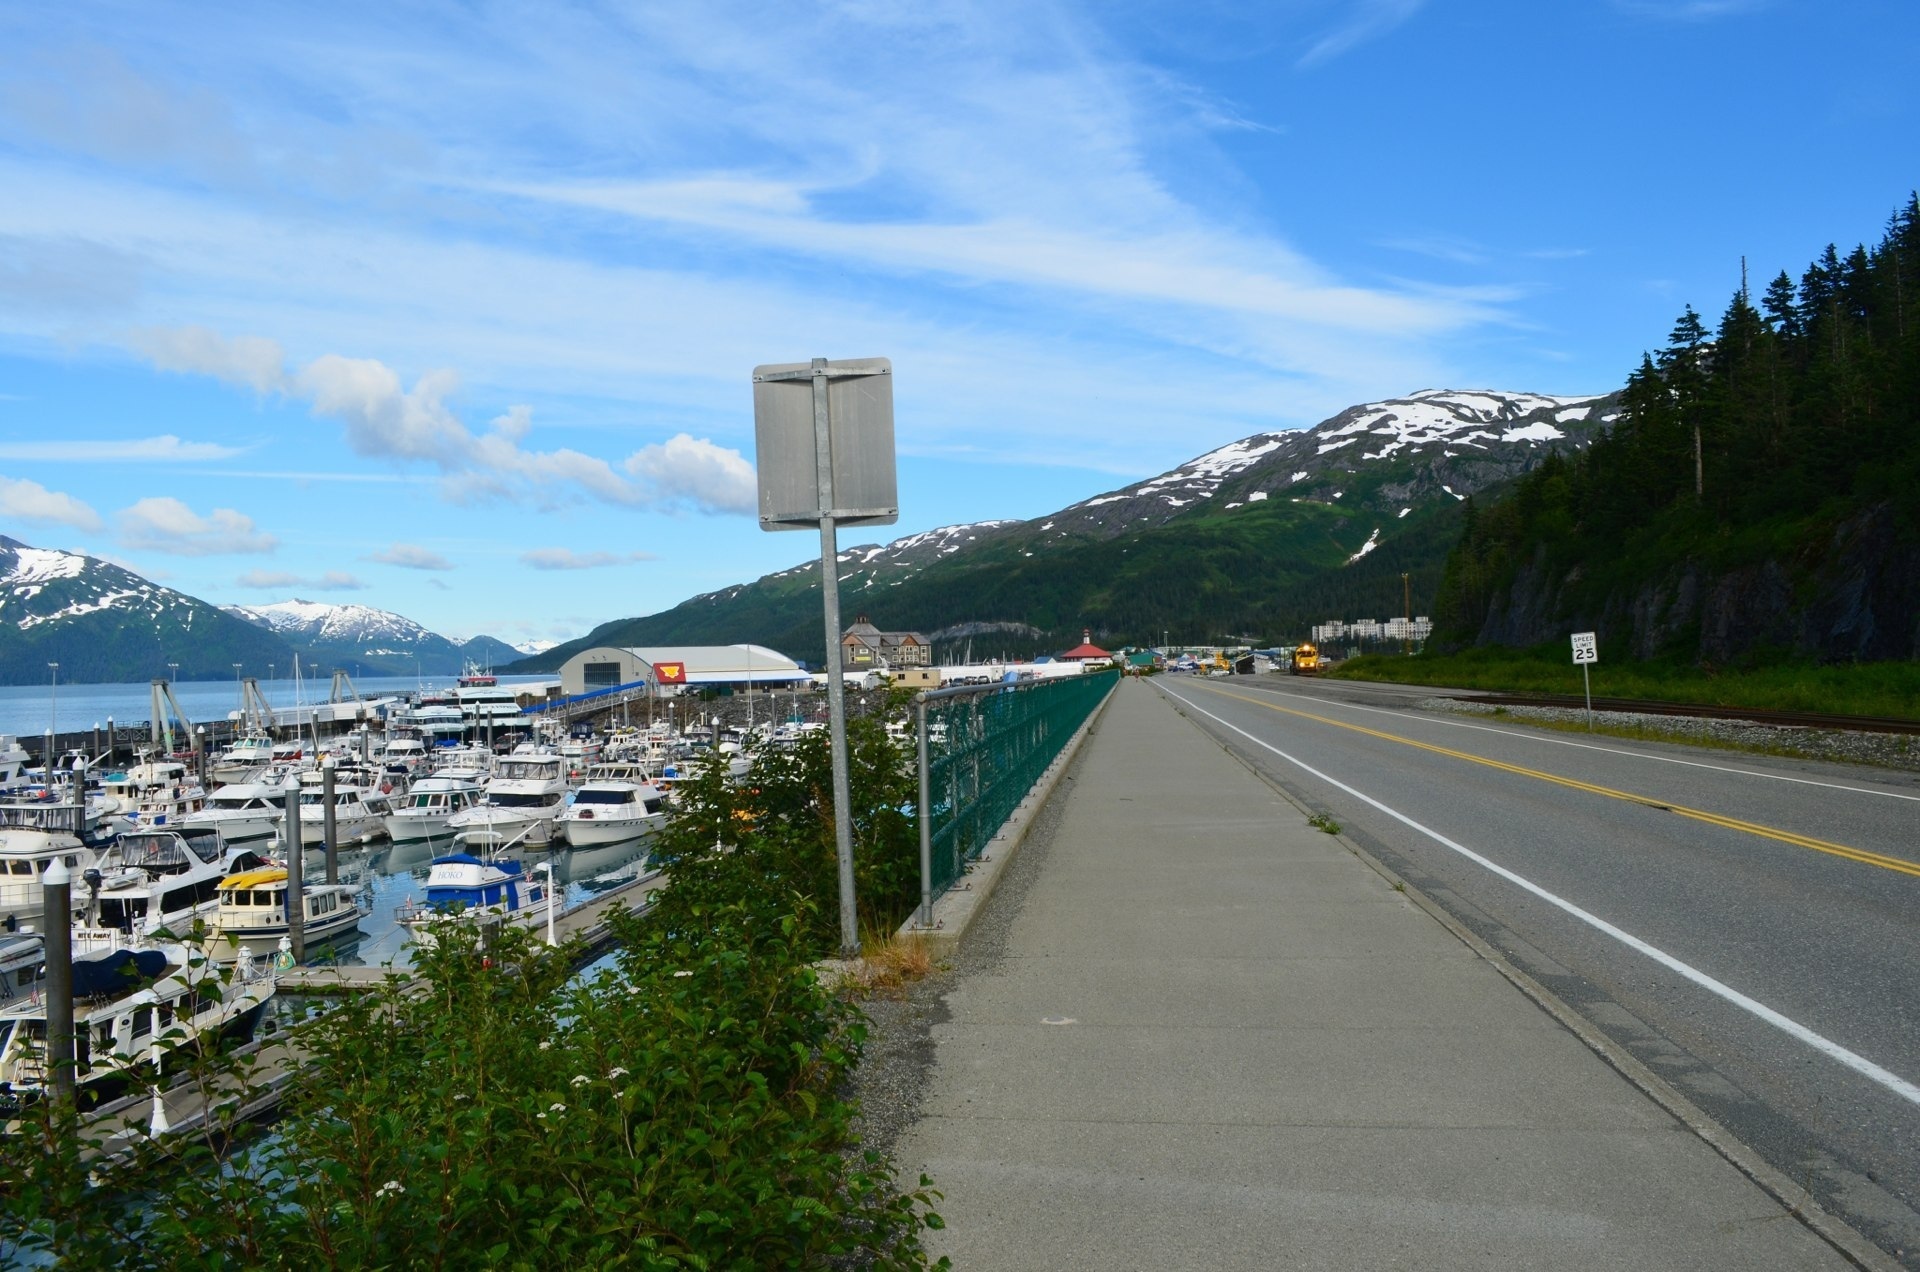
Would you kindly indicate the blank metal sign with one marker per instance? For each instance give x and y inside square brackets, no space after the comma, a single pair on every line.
[860,439]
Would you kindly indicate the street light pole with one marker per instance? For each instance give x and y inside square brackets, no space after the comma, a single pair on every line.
[173,672]
[55,722]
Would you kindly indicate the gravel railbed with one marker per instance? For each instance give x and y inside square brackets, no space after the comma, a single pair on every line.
[1882,750]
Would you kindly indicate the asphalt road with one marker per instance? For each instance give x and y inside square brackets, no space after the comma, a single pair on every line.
[1749,927]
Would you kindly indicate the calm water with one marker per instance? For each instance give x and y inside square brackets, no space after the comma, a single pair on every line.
[28,710]
[395,875]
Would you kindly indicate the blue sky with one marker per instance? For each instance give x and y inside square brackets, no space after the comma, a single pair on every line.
[451,309]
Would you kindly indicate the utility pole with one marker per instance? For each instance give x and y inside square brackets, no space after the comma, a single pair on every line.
[1406,594]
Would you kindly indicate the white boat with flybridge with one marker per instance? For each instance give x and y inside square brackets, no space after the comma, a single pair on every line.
[242,812]
[360,807]
[611,807]
[243,760]
[35,833]
[153,792]
[524,798]
[129,1007]
[153,882]
[431,802]
[13,763]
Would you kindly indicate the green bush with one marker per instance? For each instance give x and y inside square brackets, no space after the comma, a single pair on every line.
[677,1107]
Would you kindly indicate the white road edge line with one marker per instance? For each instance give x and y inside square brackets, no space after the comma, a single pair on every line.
[1609,750]
[1792,1028]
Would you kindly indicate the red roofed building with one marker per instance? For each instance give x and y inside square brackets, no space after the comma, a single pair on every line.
[1086,651]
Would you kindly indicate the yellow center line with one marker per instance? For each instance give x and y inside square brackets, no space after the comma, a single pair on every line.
[1860,855]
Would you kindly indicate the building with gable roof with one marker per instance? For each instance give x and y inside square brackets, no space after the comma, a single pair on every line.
[865,647]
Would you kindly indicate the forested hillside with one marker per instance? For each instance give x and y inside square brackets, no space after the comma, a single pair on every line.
[1758,497]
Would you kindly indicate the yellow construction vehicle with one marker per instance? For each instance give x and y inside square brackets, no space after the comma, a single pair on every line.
[1305,661]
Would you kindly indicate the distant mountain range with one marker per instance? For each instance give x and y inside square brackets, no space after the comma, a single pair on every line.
[104,624]
[1254,540]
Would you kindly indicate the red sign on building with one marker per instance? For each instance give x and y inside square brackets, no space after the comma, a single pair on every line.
[670,673]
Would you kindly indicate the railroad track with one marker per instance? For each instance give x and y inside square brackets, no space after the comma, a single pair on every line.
[1751,715]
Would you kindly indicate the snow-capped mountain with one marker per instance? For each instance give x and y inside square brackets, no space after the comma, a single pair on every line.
[1438,443]
[371,641]
[101,622]
[1353,491]
[313,622]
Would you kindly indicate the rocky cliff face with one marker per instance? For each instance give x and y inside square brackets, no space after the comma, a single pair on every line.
[1853,594]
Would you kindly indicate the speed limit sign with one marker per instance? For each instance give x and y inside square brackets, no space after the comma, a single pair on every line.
[1585,649]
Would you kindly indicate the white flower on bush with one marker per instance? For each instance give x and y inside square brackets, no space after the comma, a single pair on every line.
[556,1108]
[683,972]
[616,1072]
[580,1079]
[546,1046]
[391,1186]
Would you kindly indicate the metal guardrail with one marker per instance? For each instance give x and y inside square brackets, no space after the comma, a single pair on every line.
[981,749]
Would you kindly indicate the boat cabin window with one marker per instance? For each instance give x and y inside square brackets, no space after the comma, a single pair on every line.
[653,805]
[603,797]
[507,799]
[22,868]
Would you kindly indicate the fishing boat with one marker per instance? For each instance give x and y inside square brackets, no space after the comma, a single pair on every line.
[153,792]
[131,1009]
[462,888]
[251,916]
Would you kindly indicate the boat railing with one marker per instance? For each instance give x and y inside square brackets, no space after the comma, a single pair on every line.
[47,816]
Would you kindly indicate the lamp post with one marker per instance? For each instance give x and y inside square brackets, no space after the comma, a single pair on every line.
[55,722]
[173,672]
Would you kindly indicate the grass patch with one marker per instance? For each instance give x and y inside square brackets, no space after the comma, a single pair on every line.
[1886,689]
[889,964]
[1320,821]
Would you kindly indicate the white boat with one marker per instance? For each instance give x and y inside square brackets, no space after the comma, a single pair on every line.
[360,808]
[430,803]
[251,915]
[153,792]
[611,810]
[13,763]
[401,758]
[242,760]
[242,812]
[524,797]
[150,882]
[35,833]
[461,888]
[129,1007]
[23,965]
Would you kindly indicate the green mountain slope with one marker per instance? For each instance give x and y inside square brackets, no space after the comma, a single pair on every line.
[1256,540]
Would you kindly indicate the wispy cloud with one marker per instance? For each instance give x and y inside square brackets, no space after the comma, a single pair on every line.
[164,524]
[23,500]
[568,559]
[275,580]
[383,418]
[165,449]
[1438,247]
[410,556]
[1362,20]
[1690,10]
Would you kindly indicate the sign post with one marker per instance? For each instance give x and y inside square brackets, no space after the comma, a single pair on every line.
[823,433]
[1586,652]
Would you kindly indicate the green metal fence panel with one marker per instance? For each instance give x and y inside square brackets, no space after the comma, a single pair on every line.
[985,751]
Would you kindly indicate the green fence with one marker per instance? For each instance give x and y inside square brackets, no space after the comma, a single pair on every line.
[984,749]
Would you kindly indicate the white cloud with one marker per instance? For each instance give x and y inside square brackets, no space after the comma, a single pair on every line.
[252,361]
[164,524]
[1365,20]
[410,556]
[331,581]
[383,418]
[23,500]
[165,449]
[568,559]
[694,471]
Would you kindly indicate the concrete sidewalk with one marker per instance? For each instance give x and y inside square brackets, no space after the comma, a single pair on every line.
[1209,1036]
